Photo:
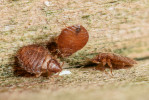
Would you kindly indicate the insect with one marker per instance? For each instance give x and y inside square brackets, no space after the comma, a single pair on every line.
[72,39]
[35,59]
[113,61]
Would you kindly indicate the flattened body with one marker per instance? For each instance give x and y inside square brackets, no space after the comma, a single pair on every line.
[117,61]
[34,58]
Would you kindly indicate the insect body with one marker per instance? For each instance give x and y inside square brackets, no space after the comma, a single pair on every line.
[37,60]
[72,39]
[113,61]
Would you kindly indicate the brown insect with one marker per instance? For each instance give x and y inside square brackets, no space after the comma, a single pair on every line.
[72,39]
[37,60]
[113,61]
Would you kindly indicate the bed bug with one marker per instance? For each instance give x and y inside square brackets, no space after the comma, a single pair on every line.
[36,59]
[113,61]
[72,39]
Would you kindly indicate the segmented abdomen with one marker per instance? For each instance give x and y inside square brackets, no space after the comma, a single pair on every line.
[33,58]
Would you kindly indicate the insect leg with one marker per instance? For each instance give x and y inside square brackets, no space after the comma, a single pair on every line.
[100,67]
[104,61]
[110,65]
[62,64]
[123,65]
[37,75]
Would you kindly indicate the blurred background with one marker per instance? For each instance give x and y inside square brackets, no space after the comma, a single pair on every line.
[117,26]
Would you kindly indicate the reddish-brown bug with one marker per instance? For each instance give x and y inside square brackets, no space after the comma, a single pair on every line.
[72,39]
[113,61]
[37,60]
